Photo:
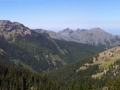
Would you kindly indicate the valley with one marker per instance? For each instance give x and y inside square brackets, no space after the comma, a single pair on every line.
[45,60]
[59,45]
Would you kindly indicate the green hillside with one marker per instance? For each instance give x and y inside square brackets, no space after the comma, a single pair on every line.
[99,72]
[40,53]
[34,61]
[70,77]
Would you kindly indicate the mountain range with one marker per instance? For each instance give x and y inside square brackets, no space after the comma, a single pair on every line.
[67,60]
[27,48]
[94,36]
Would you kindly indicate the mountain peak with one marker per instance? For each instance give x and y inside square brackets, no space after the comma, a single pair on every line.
[97,29]
[66,31]
[7,23]
[78,29]
[3,21]
[84,30]
[9,29]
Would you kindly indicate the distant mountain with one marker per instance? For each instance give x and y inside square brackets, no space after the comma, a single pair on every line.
[52,34]
[94,36]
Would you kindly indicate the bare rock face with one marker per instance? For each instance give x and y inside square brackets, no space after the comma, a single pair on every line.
[94,36]
[10,29]
[52,34]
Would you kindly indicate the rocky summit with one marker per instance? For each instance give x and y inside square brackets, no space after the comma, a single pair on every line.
[94,36]
[10,29]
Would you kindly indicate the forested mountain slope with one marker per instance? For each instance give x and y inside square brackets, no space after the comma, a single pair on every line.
[99,72]
[70,77]
[36,52]
[12,78]
[65,65]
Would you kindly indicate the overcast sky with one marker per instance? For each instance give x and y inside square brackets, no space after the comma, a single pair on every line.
[59,14]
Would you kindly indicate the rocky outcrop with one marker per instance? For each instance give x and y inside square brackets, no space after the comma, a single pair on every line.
[94,36]
[10,29]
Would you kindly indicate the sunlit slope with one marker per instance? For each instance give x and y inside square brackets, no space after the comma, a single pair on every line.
[104,60]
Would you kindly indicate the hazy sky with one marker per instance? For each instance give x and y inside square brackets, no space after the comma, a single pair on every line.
[59,14]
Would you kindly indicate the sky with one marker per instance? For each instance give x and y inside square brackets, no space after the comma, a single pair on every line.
[60,14]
